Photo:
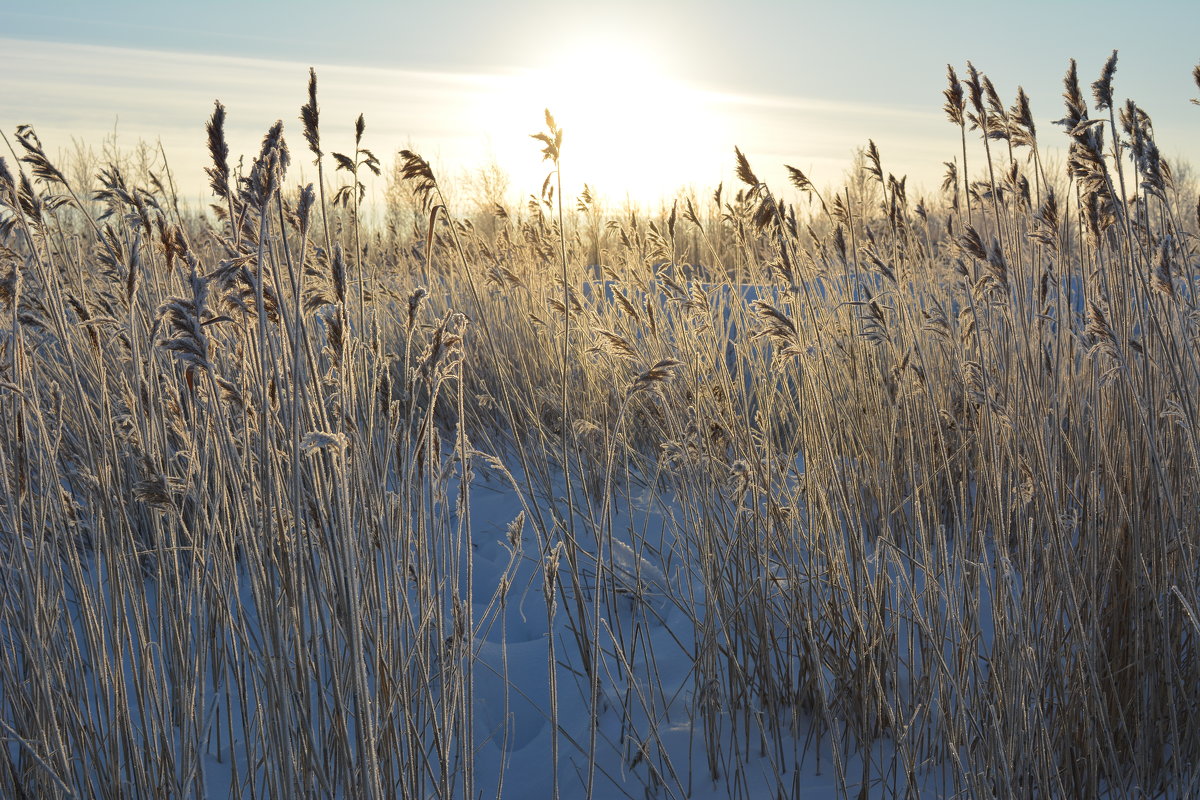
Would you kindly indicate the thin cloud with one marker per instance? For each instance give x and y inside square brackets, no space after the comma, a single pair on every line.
[75,92]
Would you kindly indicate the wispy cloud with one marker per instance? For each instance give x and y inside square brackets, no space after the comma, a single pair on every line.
[80,92]
[822,135]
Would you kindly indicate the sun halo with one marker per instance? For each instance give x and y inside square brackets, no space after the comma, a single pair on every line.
[632,132]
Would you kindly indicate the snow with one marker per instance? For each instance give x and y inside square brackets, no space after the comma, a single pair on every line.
[648,736]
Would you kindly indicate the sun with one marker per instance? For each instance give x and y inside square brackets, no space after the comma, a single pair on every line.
[632,131]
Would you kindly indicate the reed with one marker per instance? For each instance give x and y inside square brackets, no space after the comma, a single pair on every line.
[899,490]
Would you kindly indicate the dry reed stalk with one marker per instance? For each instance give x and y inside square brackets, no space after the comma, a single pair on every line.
[937,490]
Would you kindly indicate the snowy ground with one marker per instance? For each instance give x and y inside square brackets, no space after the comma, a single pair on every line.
[648,737]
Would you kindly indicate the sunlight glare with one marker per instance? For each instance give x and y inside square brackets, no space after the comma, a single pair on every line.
[631,131]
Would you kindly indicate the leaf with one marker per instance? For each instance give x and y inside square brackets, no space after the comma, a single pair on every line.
[433,212]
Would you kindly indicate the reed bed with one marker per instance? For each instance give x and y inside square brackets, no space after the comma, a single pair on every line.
[765,491]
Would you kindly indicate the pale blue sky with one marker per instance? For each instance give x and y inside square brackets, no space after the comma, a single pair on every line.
[802,83]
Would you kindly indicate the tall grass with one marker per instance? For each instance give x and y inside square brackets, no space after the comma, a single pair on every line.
[904,491]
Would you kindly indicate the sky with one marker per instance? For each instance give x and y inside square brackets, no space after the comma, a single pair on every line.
[652,95]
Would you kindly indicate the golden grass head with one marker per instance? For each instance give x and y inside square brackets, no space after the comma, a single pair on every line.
[310,115]
[661,372]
